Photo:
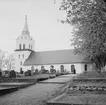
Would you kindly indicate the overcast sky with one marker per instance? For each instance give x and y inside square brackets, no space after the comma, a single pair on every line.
[42,16]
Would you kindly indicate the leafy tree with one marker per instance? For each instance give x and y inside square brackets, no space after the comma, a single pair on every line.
[89,35]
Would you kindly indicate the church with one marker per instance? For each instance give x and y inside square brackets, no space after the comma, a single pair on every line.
[28,59]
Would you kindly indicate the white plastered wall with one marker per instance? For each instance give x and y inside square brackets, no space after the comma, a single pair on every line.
[25,39]
[18,60]
[78,66]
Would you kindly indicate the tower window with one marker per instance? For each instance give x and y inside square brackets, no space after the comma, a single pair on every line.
[23,46]
[19,56]
[19,46]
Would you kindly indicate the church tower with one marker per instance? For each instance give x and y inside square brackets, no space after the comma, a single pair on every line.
[24,46]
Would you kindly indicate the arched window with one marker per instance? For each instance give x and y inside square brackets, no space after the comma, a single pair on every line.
[73,70]
[62,68]
[42,67]
[19,46]
[23,46]
[85,67]
[29,46]
[19,56]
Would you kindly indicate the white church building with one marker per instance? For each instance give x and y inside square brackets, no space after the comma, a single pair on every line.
[28,59]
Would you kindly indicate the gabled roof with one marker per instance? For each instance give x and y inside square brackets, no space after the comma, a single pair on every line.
[53,57]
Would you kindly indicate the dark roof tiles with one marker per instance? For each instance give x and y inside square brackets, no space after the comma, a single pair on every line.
[53,57]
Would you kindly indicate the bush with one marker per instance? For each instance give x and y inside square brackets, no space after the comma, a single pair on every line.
[35,72]
[28,73]
[43,71]
[21,71]
[53,71]
[12,74]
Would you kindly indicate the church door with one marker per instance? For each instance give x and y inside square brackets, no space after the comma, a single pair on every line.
[73,70]
[85,67]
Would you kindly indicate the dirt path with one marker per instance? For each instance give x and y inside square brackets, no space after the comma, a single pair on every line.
[37,94]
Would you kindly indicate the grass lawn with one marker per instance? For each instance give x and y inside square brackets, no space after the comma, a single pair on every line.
[28,78]
[84,99]
[91,74]
[38,76]
[90,89]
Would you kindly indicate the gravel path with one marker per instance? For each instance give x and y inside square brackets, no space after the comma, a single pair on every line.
[36,94]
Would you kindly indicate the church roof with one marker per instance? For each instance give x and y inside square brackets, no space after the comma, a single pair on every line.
[53,57]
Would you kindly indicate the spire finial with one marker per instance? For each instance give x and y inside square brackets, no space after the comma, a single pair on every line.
[26,17]
[25,30]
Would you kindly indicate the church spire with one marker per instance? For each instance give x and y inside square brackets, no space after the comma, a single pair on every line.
[25,30]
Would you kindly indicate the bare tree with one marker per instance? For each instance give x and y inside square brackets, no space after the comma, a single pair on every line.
[2,59]
[10,62]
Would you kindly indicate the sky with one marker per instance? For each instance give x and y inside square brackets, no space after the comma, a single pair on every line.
[43,21]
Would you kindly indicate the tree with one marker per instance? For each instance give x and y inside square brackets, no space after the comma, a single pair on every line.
[2,60]
[10,62]
[89,35]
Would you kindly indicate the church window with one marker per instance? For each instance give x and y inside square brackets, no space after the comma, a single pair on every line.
[21,63]
[19,46]
[73,70]
[62,68]
[19,56]
[23,46]
[29,46]
[42,67]
[85,67]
